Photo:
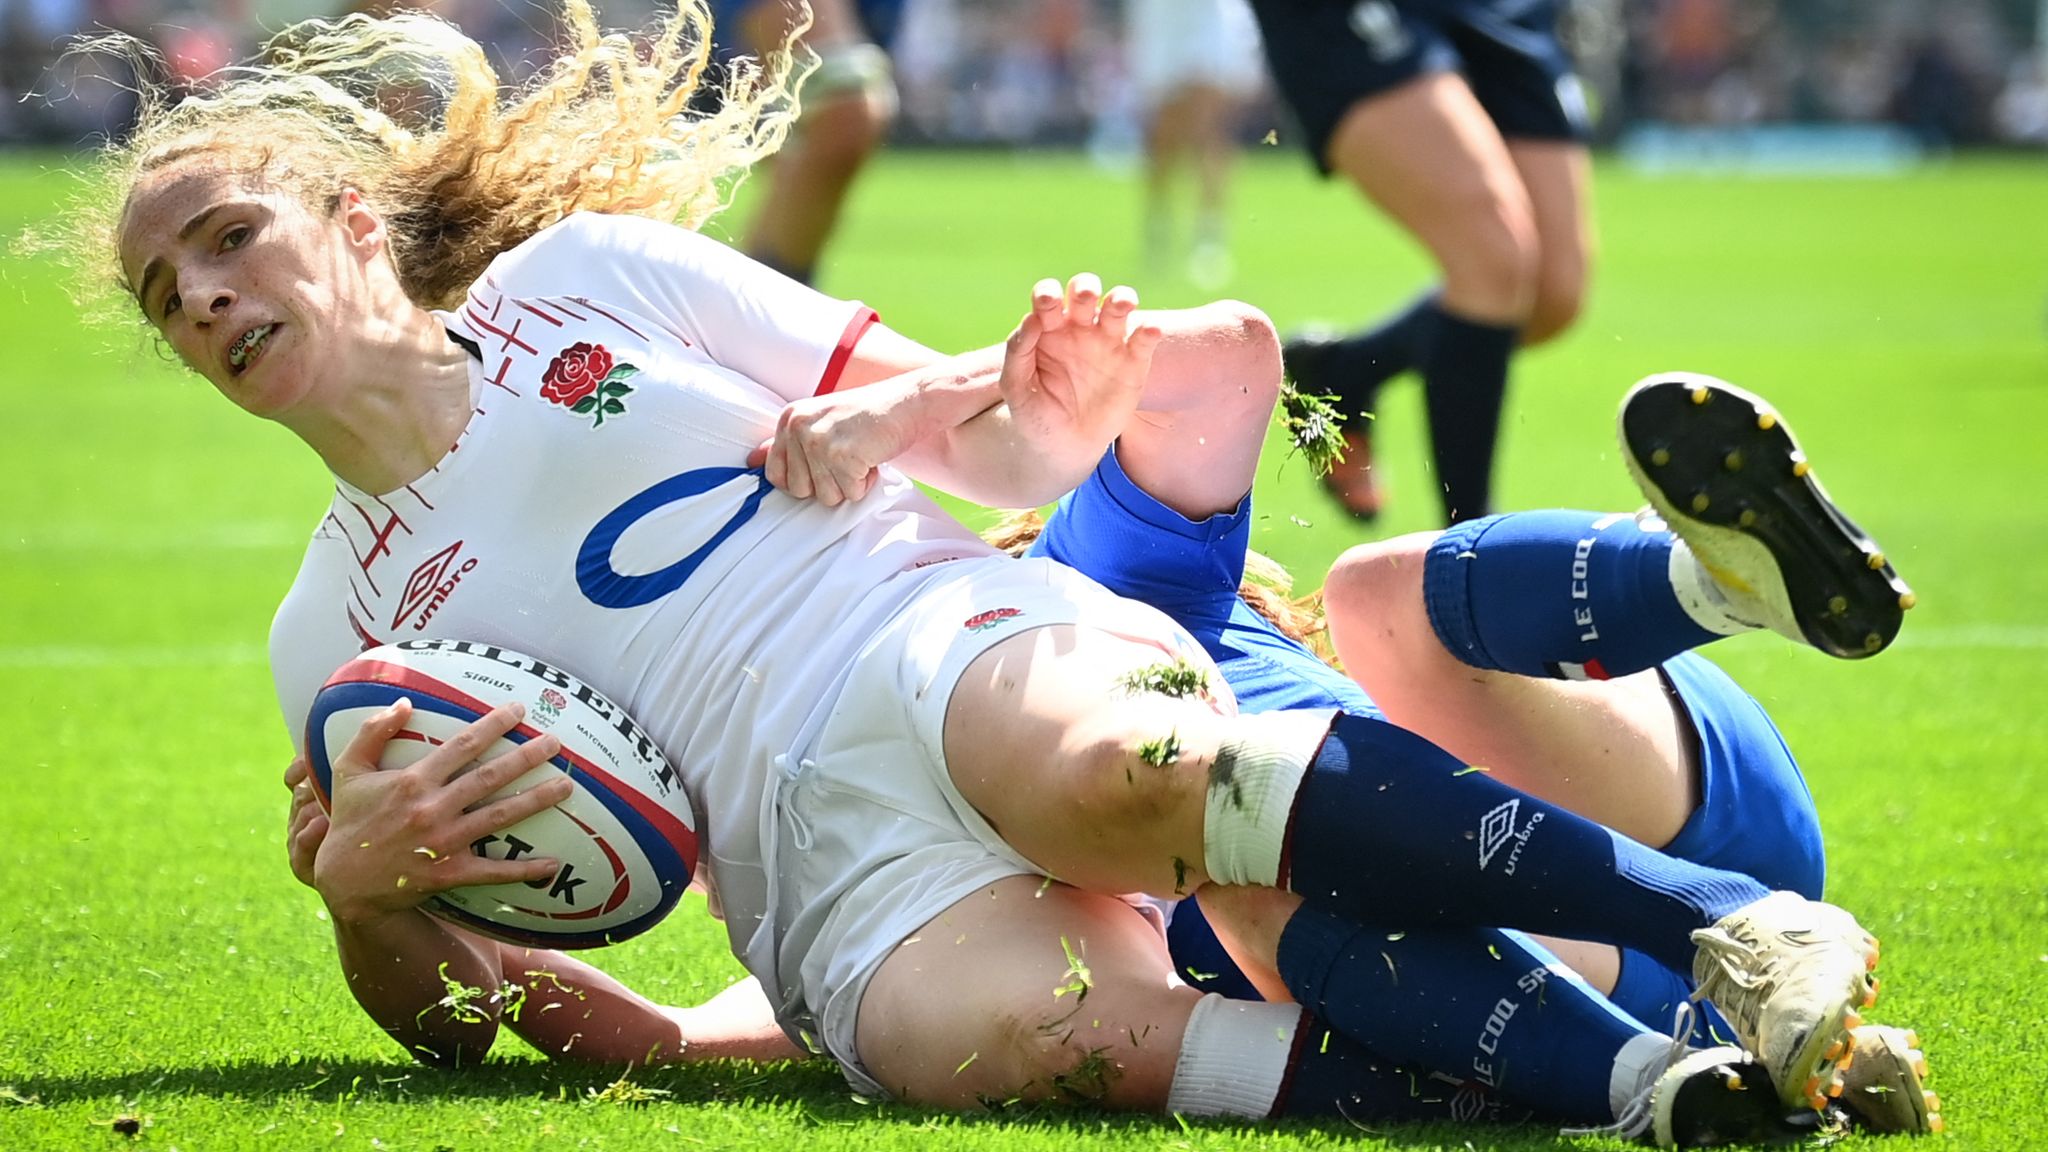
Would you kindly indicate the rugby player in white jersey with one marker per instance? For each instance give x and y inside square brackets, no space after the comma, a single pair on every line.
[293,246]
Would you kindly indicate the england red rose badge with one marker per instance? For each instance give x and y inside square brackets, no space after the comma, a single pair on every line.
[584,379]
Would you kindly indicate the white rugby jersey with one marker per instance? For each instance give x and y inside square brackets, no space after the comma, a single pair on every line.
[597,514]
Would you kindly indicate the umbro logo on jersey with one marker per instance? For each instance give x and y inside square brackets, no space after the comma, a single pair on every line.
[430,585]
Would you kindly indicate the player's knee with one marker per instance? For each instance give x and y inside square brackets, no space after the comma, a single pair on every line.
[838,136]
[853,102]
[1367,591]
[1253,345]
[1491,266]
[1376,574]
[1560,297]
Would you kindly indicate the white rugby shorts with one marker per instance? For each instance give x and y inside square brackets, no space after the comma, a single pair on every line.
[874,840]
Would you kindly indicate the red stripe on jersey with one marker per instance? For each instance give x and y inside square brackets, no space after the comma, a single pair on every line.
[510,338]
[571,313]
[585,301]
[361,632]
[360,602]
[498,381]
[355,551]
[857,327]
[537,312]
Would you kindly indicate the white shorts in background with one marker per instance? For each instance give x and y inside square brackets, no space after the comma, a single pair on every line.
[1174,43]
[874,840]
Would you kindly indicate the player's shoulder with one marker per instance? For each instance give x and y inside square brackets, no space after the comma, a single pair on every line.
[588,249]
[602,233]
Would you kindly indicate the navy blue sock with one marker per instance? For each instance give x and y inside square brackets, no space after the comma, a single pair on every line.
[1652,993]
[1484,1005]
[1333,1075]
[1465,381]
[1574,595]
[1389,827]
[1200,958]
[1353,368]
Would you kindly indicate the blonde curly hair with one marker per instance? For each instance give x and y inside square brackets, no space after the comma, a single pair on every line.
[614,124]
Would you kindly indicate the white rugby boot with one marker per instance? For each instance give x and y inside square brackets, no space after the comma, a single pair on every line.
[1885,1089]
[1671,1095]
[1723,470]
[1790,974]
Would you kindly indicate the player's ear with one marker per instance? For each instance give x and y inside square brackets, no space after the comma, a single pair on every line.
[363,226]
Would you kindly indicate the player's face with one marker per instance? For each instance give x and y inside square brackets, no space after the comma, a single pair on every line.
[244,281]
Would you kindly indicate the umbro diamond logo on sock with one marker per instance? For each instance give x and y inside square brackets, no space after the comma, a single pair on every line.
[1497,829]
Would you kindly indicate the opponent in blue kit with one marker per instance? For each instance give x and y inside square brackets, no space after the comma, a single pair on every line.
[1750,810]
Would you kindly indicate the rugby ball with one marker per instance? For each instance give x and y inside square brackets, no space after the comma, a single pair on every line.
[626,836]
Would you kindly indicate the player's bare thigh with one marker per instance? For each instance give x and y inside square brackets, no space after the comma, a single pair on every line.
[1428,155]
[1027,990]
[1047,738]
[1616,751]
[1558,177]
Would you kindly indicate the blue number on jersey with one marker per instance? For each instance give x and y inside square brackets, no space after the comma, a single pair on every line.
[609,588]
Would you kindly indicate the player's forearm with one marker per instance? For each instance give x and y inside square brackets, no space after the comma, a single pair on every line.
[569,1010]
[967,443]
[736,1024]
[430,987]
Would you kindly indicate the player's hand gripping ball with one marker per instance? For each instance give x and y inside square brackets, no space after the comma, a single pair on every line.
[626,836]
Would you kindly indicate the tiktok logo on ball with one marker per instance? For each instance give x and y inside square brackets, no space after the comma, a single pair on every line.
[562,887]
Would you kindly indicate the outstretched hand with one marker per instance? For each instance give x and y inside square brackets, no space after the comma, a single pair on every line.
[394,838]
[1076,365]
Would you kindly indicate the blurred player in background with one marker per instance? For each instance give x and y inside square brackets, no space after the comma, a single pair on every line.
[1463,122]
[1195,64]
[848,103]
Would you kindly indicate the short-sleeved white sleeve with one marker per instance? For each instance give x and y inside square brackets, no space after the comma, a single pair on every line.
[783,335]
[308,638]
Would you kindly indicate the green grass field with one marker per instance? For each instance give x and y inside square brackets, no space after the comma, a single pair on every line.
[157,960]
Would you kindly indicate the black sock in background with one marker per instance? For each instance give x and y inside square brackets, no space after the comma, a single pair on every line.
[1464,367]
[1353,368]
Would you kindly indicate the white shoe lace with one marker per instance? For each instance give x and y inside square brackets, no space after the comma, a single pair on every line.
[1735,957]
[1640,1112]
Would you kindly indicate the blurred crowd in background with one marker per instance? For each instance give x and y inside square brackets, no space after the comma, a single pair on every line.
[1953,73]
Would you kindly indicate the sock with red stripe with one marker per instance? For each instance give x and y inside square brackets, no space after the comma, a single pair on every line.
[1571,595]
